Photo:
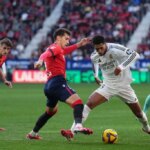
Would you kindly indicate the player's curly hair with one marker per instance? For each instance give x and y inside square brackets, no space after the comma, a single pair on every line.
[98,39]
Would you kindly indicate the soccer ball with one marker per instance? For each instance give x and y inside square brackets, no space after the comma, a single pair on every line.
[109,136]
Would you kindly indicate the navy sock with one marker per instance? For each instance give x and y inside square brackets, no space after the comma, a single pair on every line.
[41,121]
[78,109]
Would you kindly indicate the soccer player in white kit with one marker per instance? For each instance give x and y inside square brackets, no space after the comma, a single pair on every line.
[114,61]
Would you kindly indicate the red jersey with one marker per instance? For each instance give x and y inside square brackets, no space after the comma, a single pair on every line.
[54,59]
[2,60]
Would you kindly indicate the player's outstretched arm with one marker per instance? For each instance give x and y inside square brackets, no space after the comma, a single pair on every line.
[70,49]
[6,82]
[38,64]
[83,42]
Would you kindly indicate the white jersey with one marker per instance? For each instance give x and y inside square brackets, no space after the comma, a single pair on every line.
[116,56]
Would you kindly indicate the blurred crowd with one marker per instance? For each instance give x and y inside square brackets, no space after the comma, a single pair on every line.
[21,19]
[144,47]
[114,19]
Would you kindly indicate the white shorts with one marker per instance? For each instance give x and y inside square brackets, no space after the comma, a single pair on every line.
[126,93]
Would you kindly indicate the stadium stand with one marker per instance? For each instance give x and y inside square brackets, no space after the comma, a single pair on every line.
[144,47]
[115,19]
[20,20]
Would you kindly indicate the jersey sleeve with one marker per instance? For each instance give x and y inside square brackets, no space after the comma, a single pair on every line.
[44,55]
[51,51]
[131,58]
[4,68]
[95,66]
[2,61]
[129,55]
[69,49]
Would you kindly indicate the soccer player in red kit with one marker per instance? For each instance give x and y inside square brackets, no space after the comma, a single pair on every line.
[56,88]
[5,46]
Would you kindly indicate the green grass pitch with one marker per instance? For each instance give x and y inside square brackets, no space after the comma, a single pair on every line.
[24,103]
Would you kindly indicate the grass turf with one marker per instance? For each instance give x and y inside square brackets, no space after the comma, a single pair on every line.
[24,103]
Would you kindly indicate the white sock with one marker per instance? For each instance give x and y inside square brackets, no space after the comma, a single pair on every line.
[72,127]
[86,111]
[33,133]
[144,121]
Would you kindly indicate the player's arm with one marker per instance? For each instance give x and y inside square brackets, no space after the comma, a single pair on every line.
[51,51]
[38,64]
[43,56]
[4,69]
[131,56]
[3,77]
[40,61]
[95,67]
[96,71]
[69,49]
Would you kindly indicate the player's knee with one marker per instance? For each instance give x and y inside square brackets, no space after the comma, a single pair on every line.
[51,112]
[89,104]
[77,102]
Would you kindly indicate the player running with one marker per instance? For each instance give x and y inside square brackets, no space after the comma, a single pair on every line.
[114,61]
[56,88]
[5,46]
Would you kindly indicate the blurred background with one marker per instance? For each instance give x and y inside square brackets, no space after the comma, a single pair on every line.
[30,25]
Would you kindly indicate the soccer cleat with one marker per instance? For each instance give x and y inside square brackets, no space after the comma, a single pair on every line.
[31,137]
[146,129]
[67,134]
[83,130]
[2,129]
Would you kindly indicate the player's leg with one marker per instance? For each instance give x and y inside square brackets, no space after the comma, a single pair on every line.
[94,100]
[136,109]
[99,96]
[76,103]
[130,98]
[51,109]
[70,97]
[42,120]
[146,104]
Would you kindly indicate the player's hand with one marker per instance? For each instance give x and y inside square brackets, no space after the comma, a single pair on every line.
[98,81]
[83,42]
[8,83]
[117,71]
[38,64]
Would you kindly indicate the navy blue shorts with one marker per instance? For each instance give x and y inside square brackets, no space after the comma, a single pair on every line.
[57,89]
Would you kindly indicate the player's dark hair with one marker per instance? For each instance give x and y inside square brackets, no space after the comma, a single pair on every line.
[61,32]
[7,42]
[98,40]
